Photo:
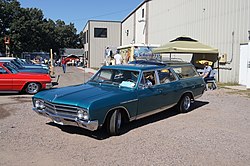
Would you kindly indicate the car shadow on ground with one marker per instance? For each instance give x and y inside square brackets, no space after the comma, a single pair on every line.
[102,134]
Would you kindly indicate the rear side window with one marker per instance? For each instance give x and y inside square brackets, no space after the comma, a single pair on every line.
[185,71]
[165,76]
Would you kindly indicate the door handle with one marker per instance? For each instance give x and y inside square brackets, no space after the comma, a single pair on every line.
[160,90]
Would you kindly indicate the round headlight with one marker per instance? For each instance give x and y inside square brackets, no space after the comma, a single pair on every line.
[83,114]
[39,104]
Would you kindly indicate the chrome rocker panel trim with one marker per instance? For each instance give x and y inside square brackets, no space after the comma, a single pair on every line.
[63,120]
[154,112]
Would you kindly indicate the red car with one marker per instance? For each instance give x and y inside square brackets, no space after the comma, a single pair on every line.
[12,80]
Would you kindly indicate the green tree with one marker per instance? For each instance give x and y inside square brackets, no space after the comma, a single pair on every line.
[30,31]
[9,10]
[65,35]
[26,31]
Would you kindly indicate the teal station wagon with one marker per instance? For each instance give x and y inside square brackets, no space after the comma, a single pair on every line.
[121,93]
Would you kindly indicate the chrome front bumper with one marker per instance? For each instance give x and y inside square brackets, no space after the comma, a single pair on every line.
[63,120]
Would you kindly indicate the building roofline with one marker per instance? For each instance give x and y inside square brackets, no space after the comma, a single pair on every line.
[100,21]
[135,10]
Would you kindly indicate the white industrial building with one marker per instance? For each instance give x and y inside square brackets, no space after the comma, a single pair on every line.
[222,24]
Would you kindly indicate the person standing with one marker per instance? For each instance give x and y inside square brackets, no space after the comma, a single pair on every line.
[64,64]
[118,58]
[108,54]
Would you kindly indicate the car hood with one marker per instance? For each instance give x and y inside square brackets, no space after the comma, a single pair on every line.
[84,95]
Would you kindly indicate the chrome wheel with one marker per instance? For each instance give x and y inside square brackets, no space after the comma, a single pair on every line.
[186,103]
[32,88]
[119,120]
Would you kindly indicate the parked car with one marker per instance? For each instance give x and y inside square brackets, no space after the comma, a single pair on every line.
[22,68]
[29,64]
[121,93]
[11,80]
[24,63]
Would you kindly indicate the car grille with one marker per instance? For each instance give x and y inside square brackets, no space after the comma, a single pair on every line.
[59,109]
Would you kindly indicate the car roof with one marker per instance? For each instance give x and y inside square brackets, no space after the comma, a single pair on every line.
[137,67]
[169,63]
[6,60]
[177,63]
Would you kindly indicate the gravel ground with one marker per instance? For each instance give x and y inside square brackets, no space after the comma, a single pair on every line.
[214,132]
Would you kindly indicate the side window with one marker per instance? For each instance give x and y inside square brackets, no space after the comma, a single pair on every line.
[166,76]
[148,78]
[2,71]
[124,75]
[103,75]
[185,71]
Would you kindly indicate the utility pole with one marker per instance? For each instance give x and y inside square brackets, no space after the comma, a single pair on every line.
[52,72]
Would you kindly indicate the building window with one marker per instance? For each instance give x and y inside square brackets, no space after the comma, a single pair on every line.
[127,32]
[84,38]
[100,32]
[87,36]
[142,14]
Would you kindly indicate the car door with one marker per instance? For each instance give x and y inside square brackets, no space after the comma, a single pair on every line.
[190,79]
[6,81]
[149,95]
[170,88]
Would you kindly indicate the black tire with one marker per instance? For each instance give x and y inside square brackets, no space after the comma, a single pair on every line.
[184,104]
[115,123]
[32,88]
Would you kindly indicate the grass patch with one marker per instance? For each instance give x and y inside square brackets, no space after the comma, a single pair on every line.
[245,93]
[221,84]
[95,68]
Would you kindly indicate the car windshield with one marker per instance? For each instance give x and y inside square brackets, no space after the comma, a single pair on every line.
[11,68]
[122,78]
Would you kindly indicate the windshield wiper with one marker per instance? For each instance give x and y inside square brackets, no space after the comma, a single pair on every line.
[97,81]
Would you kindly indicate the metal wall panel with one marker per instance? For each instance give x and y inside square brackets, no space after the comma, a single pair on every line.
[222,24]
[97,45]
[140,25]
[128,30]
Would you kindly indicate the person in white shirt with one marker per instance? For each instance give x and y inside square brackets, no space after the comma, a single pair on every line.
[107,56]
[118,58]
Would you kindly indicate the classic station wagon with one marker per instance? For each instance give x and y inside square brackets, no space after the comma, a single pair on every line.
[121,93]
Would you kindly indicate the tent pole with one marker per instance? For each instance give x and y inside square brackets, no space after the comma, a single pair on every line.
[218,67]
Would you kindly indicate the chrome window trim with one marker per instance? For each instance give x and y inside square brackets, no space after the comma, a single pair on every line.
[129,101]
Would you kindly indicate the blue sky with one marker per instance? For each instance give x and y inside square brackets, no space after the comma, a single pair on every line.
[80,11]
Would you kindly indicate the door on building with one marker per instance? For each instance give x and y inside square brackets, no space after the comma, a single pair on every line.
[244,60]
